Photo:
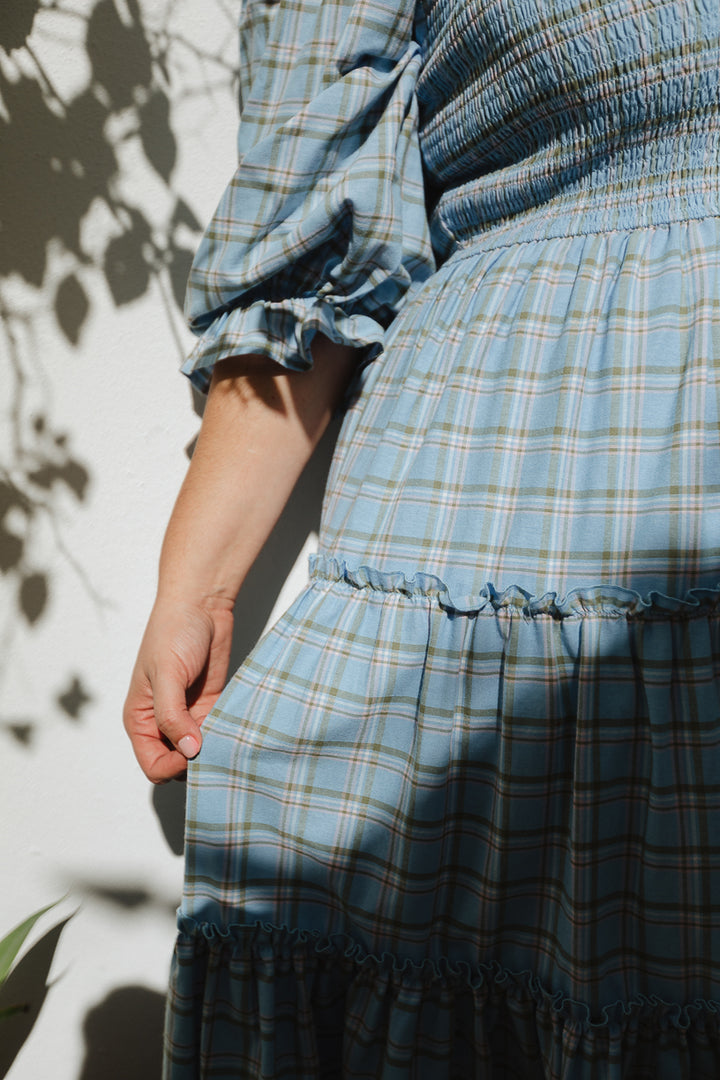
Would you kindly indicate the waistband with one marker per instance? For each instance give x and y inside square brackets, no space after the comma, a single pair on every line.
[651,179]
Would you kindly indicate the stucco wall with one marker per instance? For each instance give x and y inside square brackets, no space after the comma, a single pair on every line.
[117,129]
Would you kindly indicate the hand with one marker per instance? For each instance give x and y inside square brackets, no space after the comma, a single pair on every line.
[259,429]
[179,673]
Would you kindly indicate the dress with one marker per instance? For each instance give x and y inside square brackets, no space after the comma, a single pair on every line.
[458,815]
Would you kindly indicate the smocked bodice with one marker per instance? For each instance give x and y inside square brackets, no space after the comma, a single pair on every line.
[597,118]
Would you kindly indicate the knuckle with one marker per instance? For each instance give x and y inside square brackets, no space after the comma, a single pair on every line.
[167,722]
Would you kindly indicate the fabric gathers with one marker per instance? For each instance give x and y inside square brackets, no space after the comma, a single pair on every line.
[339,1003]
[325,218]
[457,814]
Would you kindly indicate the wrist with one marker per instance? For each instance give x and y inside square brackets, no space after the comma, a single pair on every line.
[179,594]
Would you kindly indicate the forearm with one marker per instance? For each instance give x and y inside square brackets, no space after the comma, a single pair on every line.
[260,427]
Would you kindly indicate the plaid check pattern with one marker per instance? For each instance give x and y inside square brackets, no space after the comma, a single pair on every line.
[458,814]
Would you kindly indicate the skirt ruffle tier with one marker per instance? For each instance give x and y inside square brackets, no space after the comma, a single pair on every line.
[290,1004]
[504,863]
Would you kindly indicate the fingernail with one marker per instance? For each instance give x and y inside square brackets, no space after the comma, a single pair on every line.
[188,746]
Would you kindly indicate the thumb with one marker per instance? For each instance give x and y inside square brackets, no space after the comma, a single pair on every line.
[172,716]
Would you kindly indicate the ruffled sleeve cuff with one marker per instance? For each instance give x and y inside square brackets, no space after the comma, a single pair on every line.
[282,331]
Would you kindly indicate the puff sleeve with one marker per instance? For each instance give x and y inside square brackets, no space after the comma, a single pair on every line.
[323,226]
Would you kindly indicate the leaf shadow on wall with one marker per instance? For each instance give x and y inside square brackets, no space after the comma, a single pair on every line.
[75,225]
[71,227]
[68,226]
[62,173]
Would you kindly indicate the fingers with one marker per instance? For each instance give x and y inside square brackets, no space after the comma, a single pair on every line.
[172,716]
[157,758]
[162,731]
[178,675]
[160,763]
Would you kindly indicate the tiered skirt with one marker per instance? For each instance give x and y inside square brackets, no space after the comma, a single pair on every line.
[458,815]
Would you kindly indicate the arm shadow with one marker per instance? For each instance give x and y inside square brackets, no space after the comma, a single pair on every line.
[123,1036]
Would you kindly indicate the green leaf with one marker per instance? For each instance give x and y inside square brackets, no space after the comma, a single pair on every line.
[12,1010]
[11,944]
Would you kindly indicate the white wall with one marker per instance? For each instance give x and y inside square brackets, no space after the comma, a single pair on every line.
[92,250]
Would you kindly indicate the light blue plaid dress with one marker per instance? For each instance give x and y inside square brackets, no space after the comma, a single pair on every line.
[458,815]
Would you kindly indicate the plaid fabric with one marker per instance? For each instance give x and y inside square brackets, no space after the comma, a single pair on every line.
[458,815]
[323,226]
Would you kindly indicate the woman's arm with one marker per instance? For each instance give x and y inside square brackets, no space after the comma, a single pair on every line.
[260,427]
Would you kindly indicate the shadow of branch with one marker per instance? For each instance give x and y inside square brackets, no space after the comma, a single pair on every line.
[75,215]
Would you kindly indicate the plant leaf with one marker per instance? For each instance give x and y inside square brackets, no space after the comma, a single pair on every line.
[11,944]
[12,1010]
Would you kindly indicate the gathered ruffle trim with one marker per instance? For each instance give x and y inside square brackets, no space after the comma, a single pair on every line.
[266,943]
[282,331]
[612,601]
